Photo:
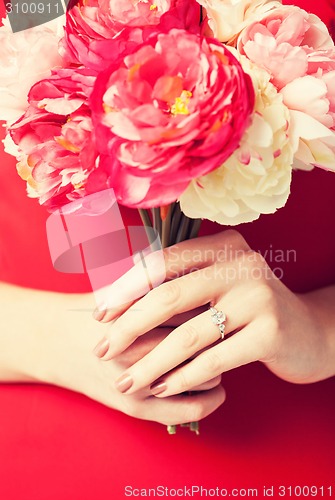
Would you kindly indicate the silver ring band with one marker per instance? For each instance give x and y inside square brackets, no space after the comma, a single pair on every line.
[219,319]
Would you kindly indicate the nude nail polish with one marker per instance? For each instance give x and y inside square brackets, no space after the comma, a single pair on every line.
[98,314]
[124,382]
[101,349]
[158,387]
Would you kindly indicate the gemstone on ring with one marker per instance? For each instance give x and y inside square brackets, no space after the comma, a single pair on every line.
[218,318]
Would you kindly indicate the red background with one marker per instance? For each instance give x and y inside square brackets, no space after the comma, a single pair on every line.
[55,444]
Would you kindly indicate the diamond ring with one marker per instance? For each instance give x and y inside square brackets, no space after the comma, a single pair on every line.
[219,318]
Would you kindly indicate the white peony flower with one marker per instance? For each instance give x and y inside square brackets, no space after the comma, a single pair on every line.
[315,143]
[25,58]
[10,147]
[227,18]
[256,178]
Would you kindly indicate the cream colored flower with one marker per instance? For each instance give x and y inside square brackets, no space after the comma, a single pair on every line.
[25,58]
[256,178]
[315,143]
[227,18]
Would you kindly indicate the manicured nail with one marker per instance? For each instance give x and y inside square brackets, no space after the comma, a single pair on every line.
[101,349]
[98,314]
[124,382]
[158,387]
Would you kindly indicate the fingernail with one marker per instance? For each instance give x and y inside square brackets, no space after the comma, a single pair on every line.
[124,383]
[98,314]
[101,349]
[158,387]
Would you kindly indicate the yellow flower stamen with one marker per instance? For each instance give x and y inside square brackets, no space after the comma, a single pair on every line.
[78,185]
[180,106]
[67,145]
[153,7]
[108,109]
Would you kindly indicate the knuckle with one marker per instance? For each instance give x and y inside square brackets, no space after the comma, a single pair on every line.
[173,262]
[251,266]
[212,362]
[241,263]
[258,258]
[236,239]
[251,259]
[265,296]
[121,334]
[189,336]
[183,382]
[169,294]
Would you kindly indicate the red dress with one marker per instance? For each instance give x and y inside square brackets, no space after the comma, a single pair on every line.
[58,445]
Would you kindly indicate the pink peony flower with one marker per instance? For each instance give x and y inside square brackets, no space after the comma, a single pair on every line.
[311,99]
[110,16]
[281,41]
[98,31]
[297,50]
[315,91]
[174,109]
[55,140]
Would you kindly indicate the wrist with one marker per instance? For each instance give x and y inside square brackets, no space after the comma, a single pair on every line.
[19,333]
[66,338]
[49,337]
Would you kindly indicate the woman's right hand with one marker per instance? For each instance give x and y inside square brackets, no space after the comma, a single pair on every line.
[66,359]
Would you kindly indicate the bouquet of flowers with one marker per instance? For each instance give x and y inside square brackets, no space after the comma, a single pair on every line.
[187,109]
[171,105]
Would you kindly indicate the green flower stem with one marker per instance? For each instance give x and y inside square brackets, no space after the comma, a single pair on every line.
[183,229]
[194,427]
[175,223]
[166,225]
[156,215]
[145,217]
[194,228]
[175,228]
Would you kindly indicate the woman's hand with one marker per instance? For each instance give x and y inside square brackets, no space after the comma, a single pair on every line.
[265,321]
[85,374]
[49,337]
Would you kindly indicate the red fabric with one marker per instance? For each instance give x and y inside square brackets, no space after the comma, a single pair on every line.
[55,444]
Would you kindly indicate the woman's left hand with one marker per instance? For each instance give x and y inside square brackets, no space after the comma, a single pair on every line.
[265,321]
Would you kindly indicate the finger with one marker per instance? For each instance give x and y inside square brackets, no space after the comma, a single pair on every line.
[182,409]
[242,348]
[169,299]
[179,259]
[202,252]
[179,319]
[142,347]
[208,385]
[174,321]
[183,343]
